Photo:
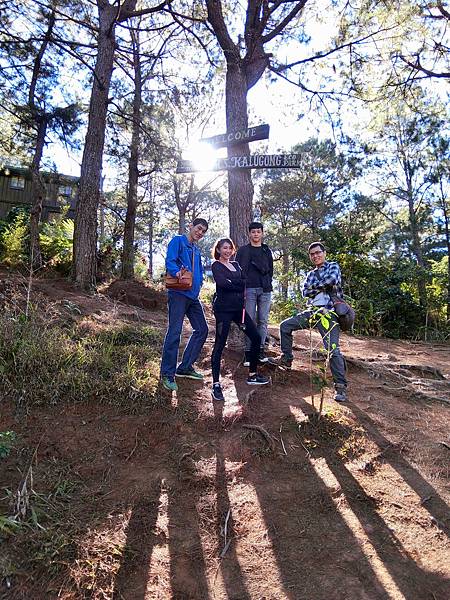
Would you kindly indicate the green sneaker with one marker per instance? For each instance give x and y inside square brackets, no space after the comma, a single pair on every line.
[170,384]
[190,374]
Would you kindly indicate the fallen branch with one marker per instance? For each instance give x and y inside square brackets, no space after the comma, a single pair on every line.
[225,548]
[185,455]
[225,533]
[249,395]
[262,432]
[445,444]
[134,447]
[282,442]
[308,453]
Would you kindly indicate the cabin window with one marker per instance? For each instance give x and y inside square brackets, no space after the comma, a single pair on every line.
[65,190]
[17,183]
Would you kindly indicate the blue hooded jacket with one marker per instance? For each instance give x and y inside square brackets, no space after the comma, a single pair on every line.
[179,254]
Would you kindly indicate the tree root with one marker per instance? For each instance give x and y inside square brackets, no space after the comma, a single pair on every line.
[263,433]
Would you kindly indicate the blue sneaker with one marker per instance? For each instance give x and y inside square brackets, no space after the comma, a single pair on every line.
[216,392]
[257,379]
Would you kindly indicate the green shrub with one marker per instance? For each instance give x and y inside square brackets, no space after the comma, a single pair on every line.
[140,267]
[13,242]
[207,292]
[7,439]
[283,308]
[56,240]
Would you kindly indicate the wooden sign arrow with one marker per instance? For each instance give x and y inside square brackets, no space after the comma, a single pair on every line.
[251,134]
[251,161]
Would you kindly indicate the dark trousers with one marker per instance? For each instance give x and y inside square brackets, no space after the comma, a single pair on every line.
[223,323]
[181,306]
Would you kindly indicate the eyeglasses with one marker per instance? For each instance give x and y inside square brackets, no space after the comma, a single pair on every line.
[316,253]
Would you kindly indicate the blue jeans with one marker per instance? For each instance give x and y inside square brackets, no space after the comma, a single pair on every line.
[257,306]
[180,306]
[330,338]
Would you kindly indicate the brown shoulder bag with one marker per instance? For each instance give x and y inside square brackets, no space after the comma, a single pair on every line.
[184,282]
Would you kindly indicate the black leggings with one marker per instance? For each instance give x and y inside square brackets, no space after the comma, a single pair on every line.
[223,322]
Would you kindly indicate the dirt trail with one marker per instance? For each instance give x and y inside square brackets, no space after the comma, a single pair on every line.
[184,501]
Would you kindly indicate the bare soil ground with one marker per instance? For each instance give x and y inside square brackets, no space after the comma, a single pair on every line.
[253,499]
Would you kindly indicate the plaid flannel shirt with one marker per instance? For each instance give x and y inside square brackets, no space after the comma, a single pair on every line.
[322,280]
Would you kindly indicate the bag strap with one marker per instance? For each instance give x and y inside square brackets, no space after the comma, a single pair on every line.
[193,261]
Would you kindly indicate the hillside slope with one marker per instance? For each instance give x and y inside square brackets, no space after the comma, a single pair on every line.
[140,495]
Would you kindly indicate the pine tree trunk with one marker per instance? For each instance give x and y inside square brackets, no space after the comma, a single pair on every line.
[38,191]
[447,242]
[150,246]
[285,267]
[41,119]
[240,186]
[417,250]
[133,170]
[85,233]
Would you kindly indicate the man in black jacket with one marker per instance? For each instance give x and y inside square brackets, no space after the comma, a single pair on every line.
[256,262]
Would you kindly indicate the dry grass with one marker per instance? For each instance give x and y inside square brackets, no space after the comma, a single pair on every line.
[46,360]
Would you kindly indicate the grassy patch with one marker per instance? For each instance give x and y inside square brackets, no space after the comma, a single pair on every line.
[45,363]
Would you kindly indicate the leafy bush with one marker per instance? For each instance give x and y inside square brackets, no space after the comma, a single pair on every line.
[207,292]
[13,241]
[283,308]
[7,439]
[108,260]
[56,240]
[140,267]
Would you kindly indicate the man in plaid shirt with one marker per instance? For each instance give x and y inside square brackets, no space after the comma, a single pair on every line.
[324,279]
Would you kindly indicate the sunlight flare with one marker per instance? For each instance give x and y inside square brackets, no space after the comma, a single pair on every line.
[202,155]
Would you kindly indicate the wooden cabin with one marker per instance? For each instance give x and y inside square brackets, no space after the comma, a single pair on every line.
[15,191]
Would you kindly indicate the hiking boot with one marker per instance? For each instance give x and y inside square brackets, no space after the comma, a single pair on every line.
[257,379]
[246,362]
[190,374]
[262,358]
[282,361]
[170,384]
[341,393]
[216,392]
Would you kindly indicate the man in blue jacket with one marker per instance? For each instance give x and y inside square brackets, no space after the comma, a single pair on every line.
[182,253]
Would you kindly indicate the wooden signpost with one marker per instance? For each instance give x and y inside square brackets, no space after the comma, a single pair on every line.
[251,134]
[252,161]
[246,161]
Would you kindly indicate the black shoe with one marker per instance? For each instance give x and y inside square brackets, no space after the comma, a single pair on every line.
[247,359]
[257,379]
[262,358]
[216,392]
